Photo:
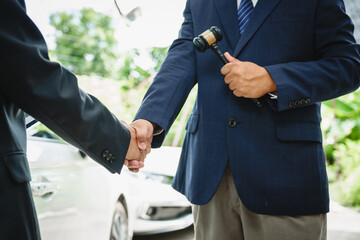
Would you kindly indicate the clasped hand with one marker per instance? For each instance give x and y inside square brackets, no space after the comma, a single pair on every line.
[247,79]
[140,144]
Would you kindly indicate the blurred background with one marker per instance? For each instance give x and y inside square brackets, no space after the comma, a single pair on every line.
[119,52]
[116,51]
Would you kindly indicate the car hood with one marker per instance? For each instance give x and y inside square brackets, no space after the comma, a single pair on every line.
[163,160]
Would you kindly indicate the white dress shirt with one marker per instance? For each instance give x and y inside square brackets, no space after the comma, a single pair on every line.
[254,2]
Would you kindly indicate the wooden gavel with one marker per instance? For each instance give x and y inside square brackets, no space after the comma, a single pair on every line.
[208,39]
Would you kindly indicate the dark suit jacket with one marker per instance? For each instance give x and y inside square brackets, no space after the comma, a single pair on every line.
[30,82]
[275,152]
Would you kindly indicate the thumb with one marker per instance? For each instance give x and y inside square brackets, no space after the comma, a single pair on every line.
[229,57]
[141,137]
[144,131]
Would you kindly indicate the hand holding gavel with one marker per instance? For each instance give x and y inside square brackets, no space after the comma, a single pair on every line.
[207,40]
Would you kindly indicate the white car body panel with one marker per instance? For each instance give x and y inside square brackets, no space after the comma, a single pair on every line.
[70,191]
[75,197]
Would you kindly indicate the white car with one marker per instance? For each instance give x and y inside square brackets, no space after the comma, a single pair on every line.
[159,207]
[76,198]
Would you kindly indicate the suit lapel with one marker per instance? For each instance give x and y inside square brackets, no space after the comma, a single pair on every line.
[227,12]
[261,11]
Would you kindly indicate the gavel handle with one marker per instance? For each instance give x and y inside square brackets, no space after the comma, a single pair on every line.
[216,49]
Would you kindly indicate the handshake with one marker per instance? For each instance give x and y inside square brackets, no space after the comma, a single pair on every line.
[140,144]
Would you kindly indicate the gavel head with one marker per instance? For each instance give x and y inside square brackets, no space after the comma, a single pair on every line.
[207,38]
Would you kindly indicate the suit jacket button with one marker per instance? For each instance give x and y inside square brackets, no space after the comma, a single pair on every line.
[302,101]
[112,159]
[232,123]
[109,157]
[105,153]
[291,103]
[307,101]
[297,102]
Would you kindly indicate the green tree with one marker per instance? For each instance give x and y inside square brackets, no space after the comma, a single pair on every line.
[341,128]
[132,74]
[342,123]
[158,55]
[85,42]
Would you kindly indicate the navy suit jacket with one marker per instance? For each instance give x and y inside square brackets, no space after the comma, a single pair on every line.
[275,152]
[30,82]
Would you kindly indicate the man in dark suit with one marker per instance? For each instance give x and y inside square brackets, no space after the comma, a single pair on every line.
[255,173]
[30,82]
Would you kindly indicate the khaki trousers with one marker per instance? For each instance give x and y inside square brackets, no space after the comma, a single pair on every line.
[226,218]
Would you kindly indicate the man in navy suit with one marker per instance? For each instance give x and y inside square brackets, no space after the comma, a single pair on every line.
[30,82]
[255,173]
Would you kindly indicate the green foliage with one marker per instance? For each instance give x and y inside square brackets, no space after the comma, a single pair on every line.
[85,42]
[348,185]
[132,74]
[345,107]
[341,128]
[343,122]
[349,153]
[158,56]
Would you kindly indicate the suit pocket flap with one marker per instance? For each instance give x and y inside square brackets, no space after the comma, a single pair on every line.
[18,167]
[299,132]
[192,123]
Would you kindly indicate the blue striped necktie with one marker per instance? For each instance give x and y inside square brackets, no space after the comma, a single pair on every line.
[245,9]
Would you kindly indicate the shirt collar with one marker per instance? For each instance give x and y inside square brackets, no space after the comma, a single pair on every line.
[254,2]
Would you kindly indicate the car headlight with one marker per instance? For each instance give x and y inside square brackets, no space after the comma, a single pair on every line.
[164,212]
[149,176]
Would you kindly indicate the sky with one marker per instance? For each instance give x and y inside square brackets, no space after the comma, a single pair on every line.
[157,26]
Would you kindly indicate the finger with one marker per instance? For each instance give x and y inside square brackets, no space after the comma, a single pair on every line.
[136,163]
[135,170]
[227,79]
[141,136]
[237,93]
[126,163]
[132,167]
[232,86]
[229,57]
[142,156]
[141,165]
[226,69]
